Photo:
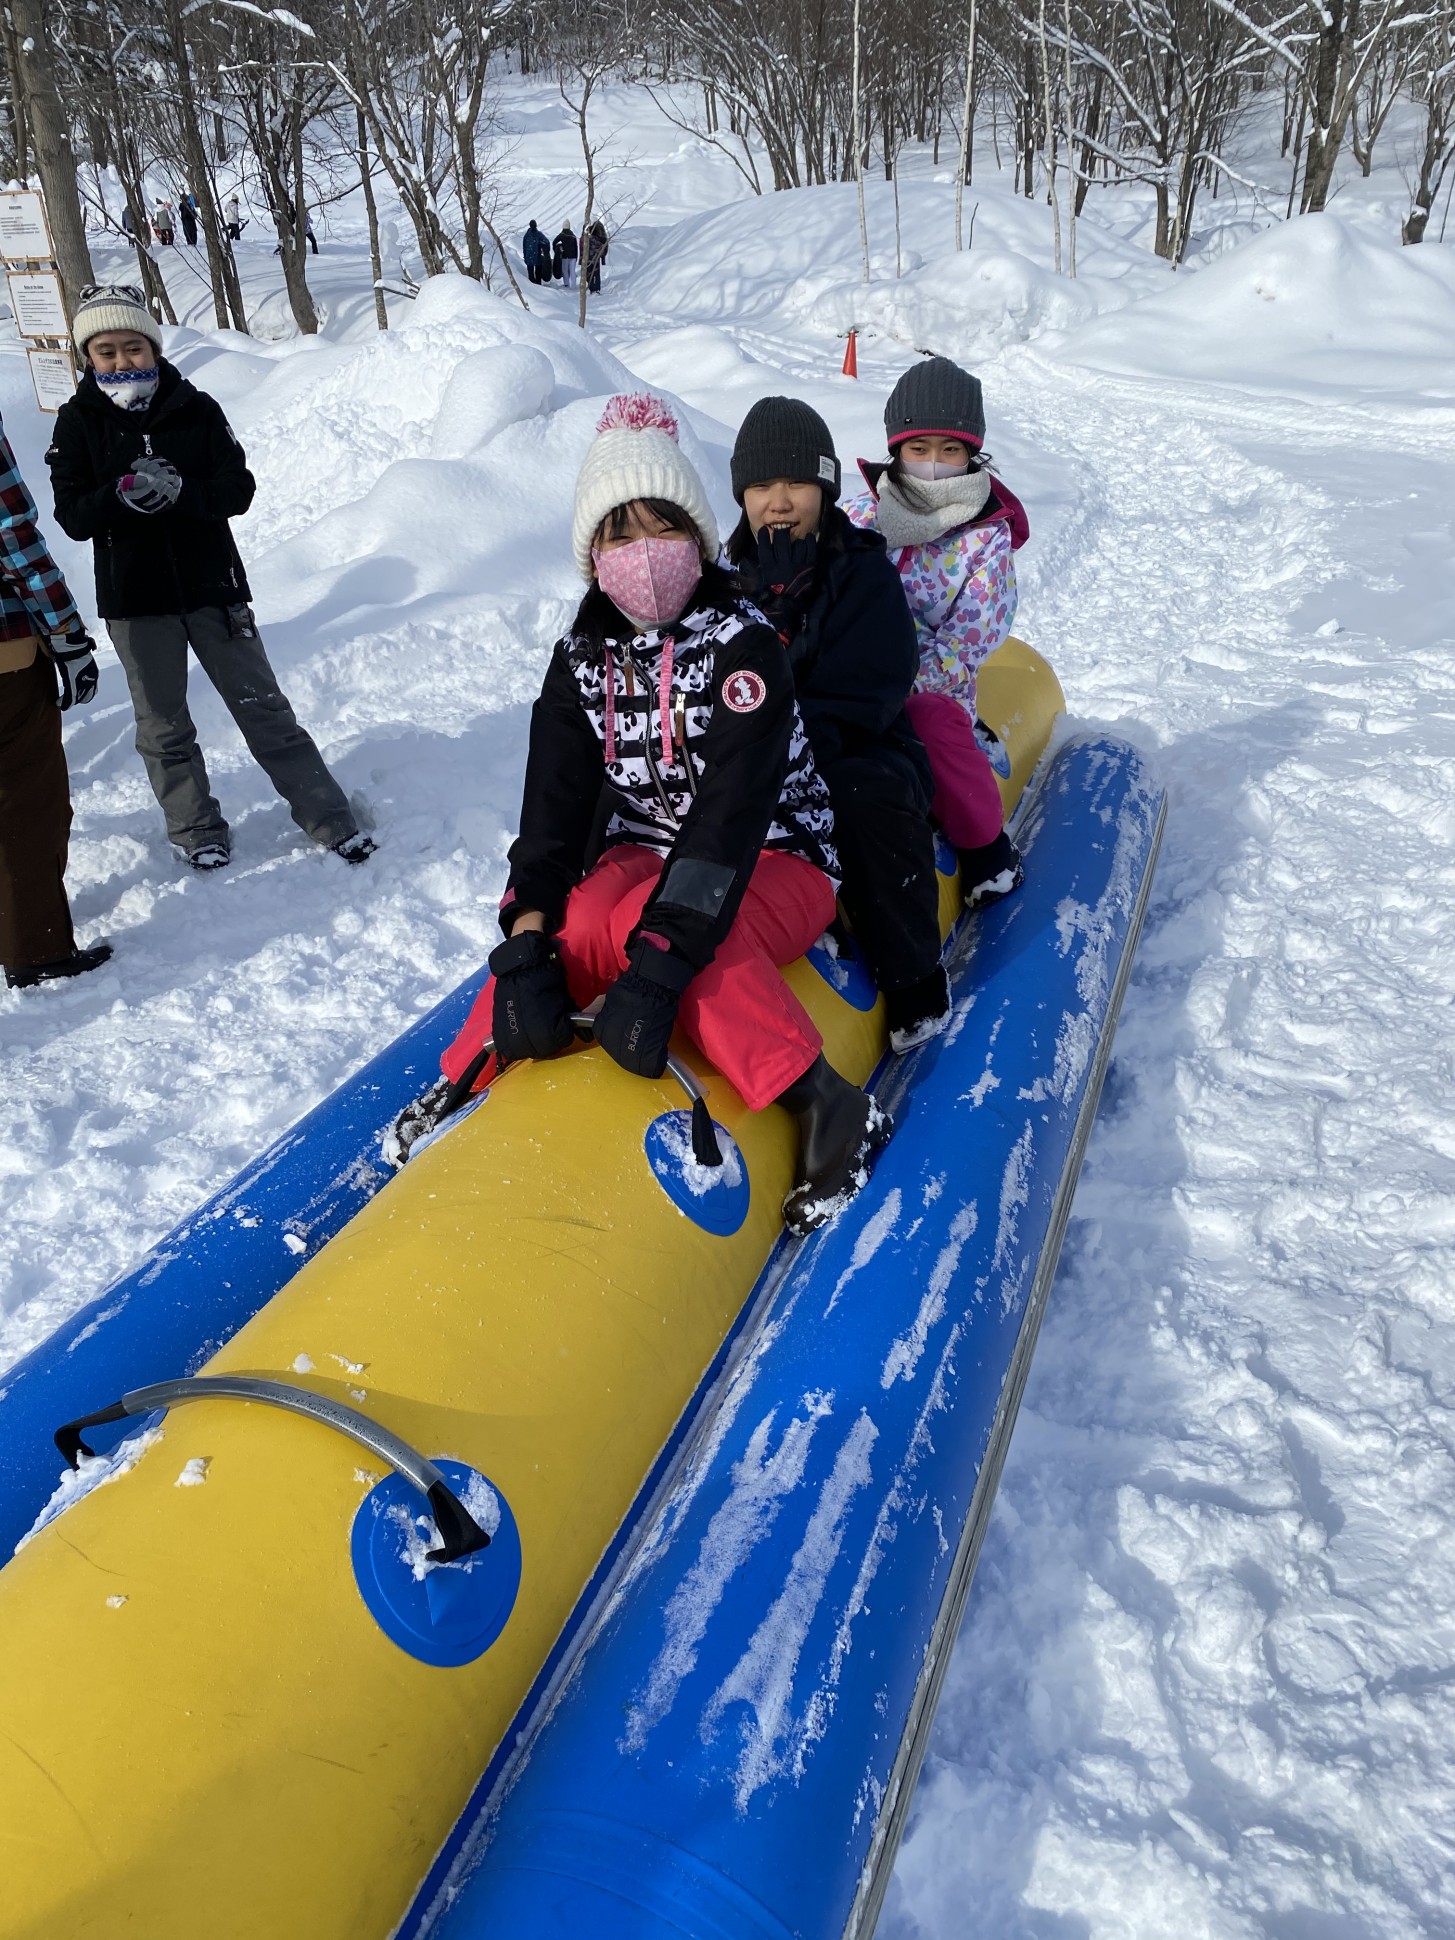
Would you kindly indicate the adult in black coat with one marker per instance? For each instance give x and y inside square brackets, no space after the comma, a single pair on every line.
[840,609]
[147,467]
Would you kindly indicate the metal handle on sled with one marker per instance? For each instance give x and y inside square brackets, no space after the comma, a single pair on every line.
[705,1147]
[459,1532]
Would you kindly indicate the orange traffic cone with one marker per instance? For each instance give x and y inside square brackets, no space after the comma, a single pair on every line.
[851,355]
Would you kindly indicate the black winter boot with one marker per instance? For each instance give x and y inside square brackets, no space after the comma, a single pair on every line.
[840,1129]
[991,872]
[918,1012]
[27,975]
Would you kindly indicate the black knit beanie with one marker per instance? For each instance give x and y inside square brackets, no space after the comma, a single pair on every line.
[934,398]
[782,437]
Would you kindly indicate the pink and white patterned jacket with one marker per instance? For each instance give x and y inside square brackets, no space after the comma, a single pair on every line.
[961,589]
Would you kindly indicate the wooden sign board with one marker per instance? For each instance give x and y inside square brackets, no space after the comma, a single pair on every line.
[25,235]
[39,303]
[54,376]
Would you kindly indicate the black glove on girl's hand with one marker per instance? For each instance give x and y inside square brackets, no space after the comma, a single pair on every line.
[75,662]
[532,1012]
[784,574]
[635,1021]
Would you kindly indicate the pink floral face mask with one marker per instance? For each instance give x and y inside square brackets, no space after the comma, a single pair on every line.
[649,580]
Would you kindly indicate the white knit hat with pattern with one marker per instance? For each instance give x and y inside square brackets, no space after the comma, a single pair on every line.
[114,308]
[636,455]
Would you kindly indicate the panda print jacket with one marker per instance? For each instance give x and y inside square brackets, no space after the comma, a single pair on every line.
[696,735]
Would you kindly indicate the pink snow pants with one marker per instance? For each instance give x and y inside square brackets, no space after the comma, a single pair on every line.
[738,1011]
[967,799]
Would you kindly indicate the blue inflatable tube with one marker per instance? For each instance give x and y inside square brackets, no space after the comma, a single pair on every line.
[733,1752]
[217,1268]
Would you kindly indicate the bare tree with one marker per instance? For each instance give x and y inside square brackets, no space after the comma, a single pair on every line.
[49,125]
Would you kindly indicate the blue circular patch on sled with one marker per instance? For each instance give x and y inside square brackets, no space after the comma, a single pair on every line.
[845,973]
[946,861]
[714,1196]
[445,1614]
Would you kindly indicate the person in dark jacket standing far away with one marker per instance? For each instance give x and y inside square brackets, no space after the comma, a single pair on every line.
[719,863]
[47,664]
[537,253]
[594,250]
[839,607]
[147,467]
[566,249]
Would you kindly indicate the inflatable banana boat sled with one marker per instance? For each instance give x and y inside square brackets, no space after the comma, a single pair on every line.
[552,1548]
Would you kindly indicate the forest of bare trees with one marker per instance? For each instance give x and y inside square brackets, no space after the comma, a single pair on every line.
[306,102]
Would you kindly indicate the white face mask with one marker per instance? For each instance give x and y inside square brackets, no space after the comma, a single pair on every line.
[931,468]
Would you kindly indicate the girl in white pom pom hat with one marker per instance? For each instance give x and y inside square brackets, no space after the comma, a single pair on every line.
[719,864]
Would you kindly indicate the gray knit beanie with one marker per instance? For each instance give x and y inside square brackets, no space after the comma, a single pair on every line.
[114,306]
[936,399]
[782,437]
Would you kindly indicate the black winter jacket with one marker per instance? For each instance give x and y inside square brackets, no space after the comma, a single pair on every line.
[730,775]
[855,656]
[159,562]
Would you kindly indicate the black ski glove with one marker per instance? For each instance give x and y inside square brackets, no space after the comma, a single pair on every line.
[76,670]
[532,1013]
[784,576]
[635,1021]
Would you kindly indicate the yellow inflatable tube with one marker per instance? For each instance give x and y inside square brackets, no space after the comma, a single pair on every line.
[204,1732]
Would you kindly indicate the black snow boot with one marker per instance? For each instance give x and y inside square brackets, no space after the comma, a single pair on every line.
[988,873]
[27,975]
[918,1012]
[840,1128]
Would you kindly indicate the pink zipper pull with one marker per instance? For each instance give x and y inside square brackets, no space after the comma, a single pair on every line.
[664,700]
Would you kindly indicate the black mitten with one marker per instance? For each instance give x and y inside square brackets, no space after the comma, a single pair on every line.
[532,1013]
[784,578]
[635,1021]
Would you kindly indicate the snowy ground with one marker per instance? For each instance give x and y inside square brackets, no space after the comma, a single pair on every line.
[1205,1682]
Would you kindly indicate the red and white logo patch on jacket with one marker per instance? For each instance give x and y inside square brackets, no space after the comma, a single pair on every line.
[744,691]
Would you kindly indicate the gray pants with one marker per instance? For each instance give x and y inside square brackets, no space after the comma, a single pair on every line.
[154,653]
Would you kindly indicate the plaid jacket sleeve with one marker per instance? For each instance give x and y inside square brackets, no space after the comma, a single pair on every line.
[31,575]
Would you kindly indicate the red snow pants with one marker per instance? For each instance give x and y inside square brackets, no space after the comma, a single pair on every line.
[738,1011]
[967,801]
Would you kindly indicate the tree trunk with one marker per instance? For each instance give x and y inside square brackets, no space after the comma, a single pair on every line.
[19,132]
[55,159]
[376,261]
[295,273]
[197,163]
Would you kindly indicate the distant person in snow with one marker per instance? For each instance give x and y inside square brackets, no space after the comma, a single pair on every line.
[47,664]
[147,467]
[163,224]
[566,252]
[951,528]
[537,253]
[719,862]
[594,248]
[187,211]
[840,610]
[234,217]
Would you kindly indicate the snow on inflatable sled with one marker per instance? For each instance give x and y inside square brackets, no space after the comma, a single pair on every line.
[553,1548]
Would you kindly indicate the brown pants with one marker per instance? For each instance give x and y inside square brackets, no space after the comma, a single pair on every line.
[35,821]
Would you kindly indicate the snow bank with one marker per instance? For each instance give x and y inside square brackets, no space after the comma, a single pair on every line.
[1312,308]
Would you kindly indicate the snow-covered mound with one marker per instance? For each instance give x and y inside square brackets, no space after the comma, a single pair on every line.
[1315,308]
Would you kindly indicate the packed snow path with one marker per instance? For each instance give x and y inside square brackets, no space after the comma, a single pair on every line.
[1204,1683]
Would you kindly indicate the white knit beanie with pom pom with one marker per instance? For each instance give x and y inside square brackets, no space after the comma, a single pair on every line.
[636,455]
